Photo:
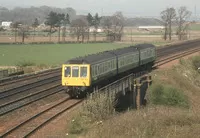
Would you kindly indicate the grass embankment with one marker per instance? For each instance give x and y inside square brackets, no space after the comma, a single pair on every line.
[173,109]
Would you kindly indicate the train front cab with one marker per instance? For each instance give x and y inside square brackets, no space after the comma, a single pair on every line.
[76,77]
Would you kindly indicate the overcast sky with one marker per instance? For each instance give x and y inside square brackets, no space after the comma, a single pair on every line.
[128,7]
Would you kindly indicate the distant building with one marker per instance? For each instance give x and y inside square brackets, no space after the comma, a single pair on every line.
[151,27]
[92,29]
[148,28]
[6,24]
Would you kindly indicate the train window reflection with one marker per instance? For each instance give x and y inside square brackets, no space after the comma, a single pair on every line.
[75,71]
[67,71]
[83,72]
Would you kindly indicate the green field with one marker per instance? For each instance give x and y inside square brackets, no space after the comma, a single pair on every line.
[195,27]
[49,54]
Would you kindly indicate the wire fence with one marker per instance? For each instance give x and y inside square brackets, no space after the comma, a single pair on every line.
[130,34]
[10,72]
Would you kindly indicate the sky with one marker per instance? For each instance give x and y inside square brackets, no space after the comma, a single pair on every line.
[130,8]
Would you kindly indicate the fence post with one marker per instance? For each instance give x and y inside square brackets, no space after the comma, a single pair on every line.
[134,92]
[149,80]
[130,83]
[138,94]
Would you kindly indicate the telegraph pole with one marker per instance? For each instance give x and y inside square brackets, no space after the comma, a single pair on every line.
[101,12]
[195,13]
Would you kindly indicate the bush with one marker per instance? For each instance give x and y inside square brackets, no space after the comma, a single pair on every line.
[99,106]
[167,95]
[78,126]
[25,63]
[182,61]
[196,62]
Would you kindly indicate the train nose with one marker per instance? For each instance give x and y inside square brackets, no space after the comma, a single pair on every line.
[84,84]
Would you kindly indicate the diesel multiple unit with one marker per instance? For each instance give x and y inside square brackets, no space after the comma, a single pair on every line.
[81,73]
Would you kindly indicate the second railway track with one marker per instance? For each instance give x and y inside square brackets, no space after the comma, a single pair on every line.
[21,102]
[22,80]
[33,123]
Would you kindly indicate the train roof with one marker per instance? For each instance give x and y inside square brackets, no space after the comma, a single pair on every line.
[101,56]
[89,59]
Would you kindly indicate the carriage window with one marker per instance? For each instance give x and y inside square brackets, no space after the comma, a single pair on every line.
[83,71]
[75,71]
[67,71]
[101,69]
[93,72]
[96,70]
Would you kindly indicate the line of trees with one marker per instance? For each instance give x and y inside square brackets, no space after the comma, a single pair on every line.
[20,30]
[79,28]
[113,26]
[57,20]
[172,17]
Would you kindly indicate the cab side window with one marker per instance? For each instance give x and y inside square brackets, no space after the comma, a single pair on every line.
[83,72]
[67,71]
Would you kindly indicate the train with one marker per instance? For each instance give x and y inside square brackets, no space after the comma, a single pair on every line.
[81,74]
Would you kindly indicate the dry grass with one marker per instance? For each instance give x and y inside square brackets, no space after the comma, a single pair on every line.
[149,122]
[97,107]
[157,120]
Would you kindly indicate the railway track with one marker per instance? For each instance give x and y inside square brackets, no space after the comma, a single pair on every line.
[58,109]
[26,100]
[27,87]
[163,61]
[169,50]
[17,81]
[33,123]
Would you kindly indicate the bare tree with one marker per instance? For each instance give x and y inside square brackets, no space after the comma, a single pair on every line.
[63,33]
[35,25]
[183,15]
[79,28]
[16,27]
[168,16]
[59,23]
[113,26]
[65,22]
[23,32]
[165,22]
[51,20]
[118,25]
[90,20]
[96,24]
[107,24]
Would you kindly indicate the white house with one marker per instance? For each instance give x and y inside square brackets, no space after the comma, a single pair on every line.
[6,24]
[92,29]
